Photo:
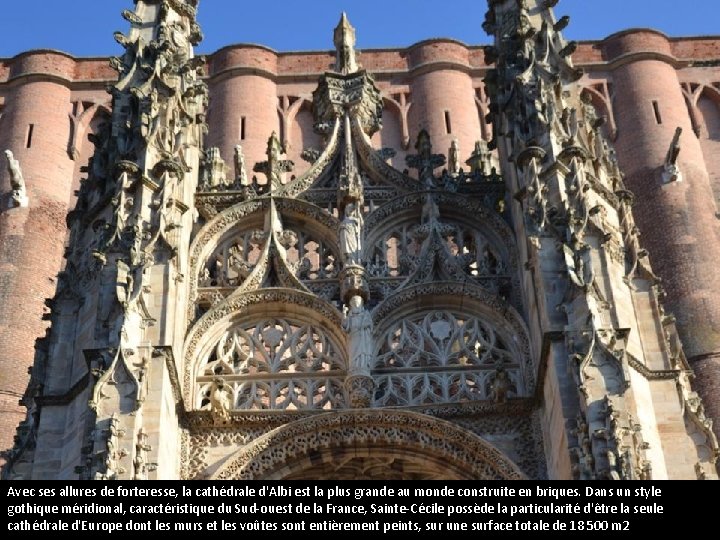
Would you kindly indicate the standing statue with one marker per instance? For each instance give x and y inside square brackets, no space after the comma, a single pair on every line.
[351,235]
[454,158]
[501,385]
[241,178]
[19,191]
[220,401]
[358,324]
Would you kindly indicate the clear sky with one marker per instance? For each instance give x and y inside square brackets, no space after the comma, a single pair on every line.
[85,27]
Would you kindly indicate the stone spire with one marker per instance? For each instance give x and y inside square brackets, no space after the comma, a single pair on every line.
[347,88]
[140,186]
[571,199]
[344,39]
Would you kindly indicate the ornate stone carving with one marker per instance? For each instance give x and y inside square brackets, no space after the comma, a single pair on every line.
[469,361]
[248,368]
[453,159]
[344,38]
[357,322]
[283,451]
[220,401]
[275,166]
[425,161]
[350,235]
[17,182]
[671,171]
[241,178]
[141,466]
[107,451]
[480,161]
[348,88]
[214,173]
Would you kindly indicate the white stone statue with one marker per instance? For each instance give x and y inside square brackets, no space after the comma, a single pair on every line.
[19,193]
[220,401]
[359,326]
[240,172]
[351,235]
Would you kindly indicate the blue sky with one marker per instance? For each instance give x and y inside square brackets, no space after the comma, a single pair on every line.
[85,27]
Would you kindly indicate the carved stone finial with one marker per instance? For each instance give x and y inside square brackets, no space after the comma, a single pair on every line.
[213,171]
[480,161]
[425,161]
[344,40]
[274,167]
[19,193]
[671,171]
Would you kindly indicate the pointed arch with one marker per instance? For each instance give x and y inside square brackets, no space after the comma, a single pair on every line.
[247,217]
[302,312]
[422,446]
[479,240]
[479,315]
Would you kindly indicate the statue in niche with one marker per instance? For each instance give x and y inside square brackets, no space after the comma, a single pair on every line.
[359,326]
[220,401]
[205,279]
[17,181]
[351,235]
[501,385]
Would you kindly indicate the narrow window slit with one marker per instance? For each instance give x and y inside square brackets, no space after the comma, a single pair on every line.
[656,109]
[28,140]
[242,128]
[448,125]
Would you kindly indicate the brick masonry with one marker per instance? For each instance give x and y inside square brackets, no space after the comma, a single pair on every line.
[678,222]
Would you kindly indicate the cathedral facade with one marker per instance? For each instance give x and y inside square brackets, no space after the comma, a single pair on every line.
[420,263]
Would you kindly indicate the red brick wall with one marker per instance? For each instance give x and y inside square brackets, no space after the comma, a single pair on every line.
[245,94]
[677,220]
[31,239]
[440,83]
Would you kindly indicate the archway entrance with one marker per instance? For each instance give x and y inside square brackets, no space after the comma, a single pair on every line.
[369,444]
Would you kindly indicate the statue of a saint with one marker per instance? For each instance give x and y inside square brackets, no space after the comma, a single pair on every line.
[351,235]
[359,326]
